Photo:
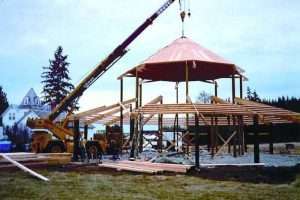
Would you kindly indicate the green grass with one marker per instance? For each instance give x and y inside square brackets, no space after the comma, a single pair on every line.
[75,185]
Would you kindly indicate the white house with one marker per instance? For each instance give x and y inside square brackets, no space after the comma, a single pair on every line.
[30,107]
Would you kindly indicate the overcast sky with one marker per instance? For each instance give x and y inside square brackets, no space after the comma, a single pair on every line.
[262,37]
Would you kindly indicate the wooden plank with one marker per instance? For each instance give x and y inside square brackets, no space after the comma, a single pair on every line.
[24,168]
[235,165]
[177,168]
[100,109]
[120,167]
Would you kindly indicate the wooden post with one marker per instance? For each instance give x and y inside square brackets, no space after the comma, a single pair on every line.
[141,138]
[131,124]
[197,153]
[241,126]
[76,139]
[86,127]
[239,135]
[175,136]
[241,86]
[216,134]
[216,88]
[234,138]
[229,143]
[136,90]
[187,91]
[256,140]
[133,143]
[160,133]
[121,111]
[241,122]
[160,130]
[245,139]
[212,142]
[271,149]
[233,88]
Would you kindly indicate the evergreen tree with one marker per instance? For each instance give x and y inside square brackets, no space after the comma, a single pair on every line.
[56,80]
[255,97]
[3,101]
[249,93]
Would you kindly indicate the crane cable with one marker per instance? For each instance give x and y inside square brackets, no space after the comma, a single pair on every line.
[184,7]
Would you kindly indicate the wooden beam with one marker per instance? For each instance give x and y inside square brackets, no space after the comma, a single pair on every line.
[197,153]
[121,112]
[15,163]
[86,131]
[100,109]
[241,86]
[216,88]
[103,115]
[256,142]
[76,139]
[233,89]
[226,142]
[187,91]
[198,113]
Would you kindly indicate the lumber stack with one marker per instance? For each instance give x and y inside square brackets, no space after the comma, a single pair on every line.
[31,159]
[145,167]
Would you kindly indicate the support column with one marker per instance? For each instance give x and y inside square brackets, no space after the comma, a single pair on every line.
[160,132]
[136,90]
[233,88]
[86,126]
[241,127]
[256,139]
[131,124]
[239,139]
[159,142]
[76,139]
[229,143]
[212,137]
[175,136]
[141,138]
[133,144]
[271,149]
[245,139]
[197,153]
[216,134]
[216,88]
[234,137]
[241,86]
[241,122]
[121,111]
[187,91]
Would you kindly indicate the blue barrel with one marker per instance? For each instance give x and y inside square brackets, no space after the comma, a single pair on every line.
[5,146]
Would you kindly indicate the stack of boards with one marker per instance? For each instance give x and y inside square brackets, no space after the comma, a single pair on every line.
[35,159]
[145,167]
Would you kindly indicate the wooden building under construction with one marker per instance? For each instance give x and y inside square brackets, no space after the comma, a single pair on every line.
[219,124]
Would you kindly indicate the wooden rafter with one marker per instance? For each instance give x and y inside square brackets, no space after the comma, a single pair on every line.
[127,114]
[266,110]
[96,111]
[103,115]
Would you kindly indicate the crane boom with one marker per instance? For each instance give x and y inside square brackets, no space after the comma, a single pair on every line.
[105,64]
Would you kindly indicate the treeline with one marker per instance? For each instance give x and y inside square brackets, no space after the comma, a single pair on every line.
[289,103]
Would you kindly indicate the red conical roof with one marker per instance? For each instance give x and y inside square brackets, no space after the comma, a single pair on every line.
[169,63]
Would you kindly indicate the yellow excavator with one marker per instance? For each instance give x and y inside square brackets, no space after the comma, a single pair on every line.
[44,129]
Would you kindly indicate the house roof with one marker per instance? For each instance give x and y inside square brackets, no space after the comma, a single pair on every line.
[170,62]
[30,99]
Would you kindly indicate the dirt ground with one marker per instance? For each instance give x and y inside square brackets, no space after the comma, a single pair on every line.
[89,183]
